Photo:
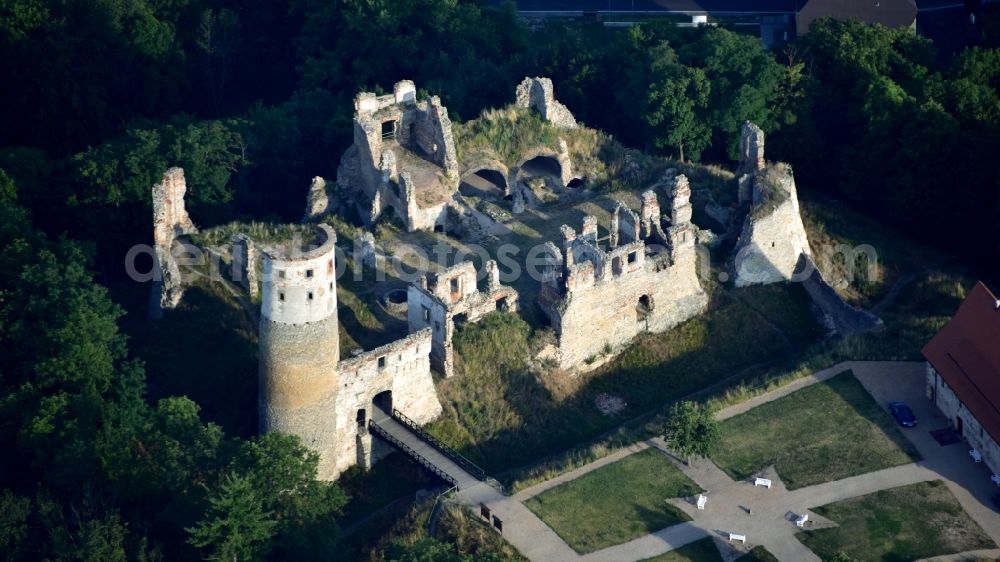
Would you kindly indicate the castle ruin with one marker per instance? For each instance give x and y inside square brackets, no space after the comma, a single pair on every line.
[773,246]
[773,236]
[170,220]
[305,389]
[450,298]
[402,160]
[646,279]
[537,93]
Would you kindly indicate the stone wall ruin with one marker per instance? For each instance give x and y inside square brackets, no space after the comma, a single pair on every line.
[305,389]
[449,298]
[170,220]
[773,246]
[599,297]
[403,160]
[537,93]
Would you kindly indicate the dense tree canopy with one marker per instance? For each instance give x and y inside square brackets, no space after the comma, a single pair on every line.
[89,470]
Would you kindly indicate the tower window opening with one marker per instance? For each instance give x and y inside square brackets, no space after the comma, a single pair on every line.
[310,295]
[331,285]
[329,267]
[309,273]
[281,297]
[281,274]
[631,257]
[381,362]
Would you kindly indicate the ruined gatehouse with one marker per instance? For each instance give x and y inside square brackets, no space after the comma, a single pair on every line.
[305,388]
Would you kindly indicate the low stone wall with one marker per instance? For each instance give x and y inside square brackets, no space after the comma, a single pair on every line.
[846,319]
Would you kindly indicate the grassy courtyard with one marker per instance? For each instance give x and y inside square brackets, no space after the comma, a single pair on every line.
[616,503]
[906,523]
[824,432]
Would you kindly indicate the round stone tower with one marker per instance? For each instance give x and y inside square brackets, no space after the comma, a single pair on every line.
[299,344]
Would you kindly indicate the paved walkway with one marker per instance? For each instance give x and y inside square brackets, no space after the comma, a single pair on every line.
[765,516]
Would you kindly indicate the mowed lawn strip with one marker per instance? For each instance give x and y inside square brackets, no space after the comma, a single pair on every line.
[824,432]
[698,551]
[615,503]
[910,522]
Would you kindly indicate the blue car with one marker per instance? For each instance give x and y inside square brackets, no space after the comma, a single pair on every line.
[903,414]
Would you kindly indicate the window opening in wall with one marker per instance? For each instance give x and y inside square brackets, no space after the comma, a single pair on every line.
[454,285]
[381,362]
[361,417]
[281,274]
[310,295]
[616,265]
[329,267]
[331,285]
[427,313]
[389,130]
[309,273]
[643,308]
[631,257]
[281,296]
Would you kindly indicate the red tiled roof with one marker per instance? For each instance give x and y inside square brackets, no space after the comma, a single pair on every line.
[967,354]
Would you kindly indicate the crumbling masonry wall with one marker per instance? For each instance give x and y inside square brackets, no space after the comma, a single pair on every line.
[773,236]
[403,158]
[537,93]
[646,280]
[401,368]
[244,265]
[170,220]
[440,301]
[305,390]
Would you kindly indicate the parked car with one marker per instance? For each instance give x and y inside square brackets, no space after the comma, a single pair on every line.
[903,414]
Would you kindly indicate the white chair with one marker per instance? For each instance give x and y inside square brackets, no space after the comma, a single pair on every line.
[702,500]
[762,482]
[976,455]
[801,520]
[737,537]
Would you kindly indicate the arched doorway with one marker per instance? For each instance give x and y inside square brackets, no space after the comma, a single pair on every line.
[483,183]
[542,166]
[575,183]
[383,401]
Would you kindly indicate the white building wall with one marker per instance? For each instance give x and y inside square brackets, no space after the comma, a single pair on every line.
[972,431]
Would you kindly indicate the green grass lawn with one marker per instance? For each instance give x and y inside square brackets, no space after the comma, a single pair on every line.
[698,551]
[502,413]
[616,503]
[917,521]
[825,432]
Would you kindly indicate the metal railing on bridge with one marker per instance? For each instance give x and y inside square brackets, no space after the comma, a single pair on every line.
[381,432]
[444,449]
